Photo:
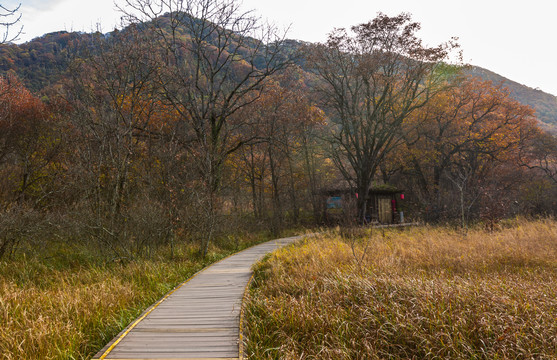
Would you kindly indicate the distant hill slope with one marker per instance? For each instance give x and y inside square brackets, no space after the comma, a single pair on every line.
[545,104]
[44,62]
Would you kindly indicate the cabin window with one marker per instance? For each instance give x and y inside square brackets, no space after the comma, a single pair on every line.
[334,202]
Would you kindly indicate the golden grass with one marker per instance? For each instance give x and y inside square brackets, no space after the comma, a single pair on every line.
[68,305]
[421,293]
[71,314]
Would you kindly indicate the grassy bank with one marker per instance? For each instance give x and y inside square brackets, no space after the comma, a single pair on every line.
[68,304]
[421,293]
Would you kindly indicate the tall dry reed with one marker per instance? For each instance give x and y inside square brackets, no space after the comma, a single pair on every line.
[421,293]
[65,304]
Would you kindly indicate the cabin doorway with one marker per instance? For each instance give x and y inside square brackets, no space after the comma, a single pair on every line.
[384,208]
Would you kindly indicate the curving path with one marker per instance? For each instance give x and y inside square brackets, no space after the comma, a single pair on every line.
[200,319]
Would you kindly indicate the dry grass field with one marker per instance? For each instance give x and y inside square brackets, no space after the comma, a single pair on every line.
[71,313]
[67,305]
[418,293]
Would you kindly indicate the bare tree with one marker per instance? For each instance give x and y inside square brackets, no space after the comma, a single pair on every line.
[540,153]
[115,101]
[217,58]
[371,80]
[8,19]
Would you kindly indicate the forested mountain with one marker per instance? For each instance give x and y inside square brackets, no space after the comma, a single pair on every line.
[45,60]
[545,104]
[42,61]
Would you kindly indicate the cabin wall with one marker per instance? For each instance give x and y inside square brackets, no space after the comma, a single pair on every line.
[341,207]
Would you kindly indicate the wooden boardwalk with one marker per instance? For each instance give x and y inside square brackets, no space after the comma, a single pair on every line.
[198,320]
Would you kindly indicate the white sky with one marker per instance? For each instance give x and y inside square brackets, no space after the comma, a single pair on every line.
[514,38]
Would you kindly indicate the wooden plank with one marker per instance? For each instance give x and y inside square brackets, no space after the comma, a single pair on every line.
[200,355]
[192,356]
[198,320]
[204,358]
[216,333]
[175,348]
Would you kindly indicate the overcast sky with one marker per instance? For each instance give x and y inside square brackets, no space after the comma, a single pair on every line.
[514,38]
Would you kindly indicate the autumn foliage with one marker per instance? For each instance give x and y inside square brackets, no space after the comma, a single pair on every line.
[29,144]
[465,141]
[155,140]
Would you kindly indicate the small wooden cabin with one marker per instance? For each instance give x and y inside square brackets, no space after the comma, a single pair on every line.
[382,204]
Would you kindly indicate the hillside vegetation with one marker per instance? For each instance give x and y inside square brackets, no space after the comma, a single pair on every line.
[545,104]
[421,293]
[44,61]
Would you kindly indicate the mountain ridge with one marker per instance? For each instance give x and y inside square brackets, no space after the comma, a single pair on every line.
[544,103]
[44,61]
